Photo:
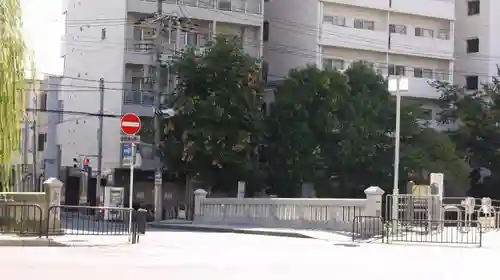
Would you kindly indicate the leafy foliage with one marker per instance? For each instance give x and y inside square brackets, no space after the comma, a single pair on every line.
[333,129]
[12,86]
[478,115]
[218,112]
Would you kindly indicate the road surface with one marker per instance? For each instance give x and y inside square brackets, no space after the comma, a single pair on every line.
[210,256]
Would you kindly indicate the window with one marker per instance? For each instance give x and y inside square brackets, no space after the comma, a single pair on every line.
[103,33]
[471,82]
[422,73]
[364,24]
[367,63]
[42,138]
[397,28]
[444,34]
[225,5]
[337,64]
[265,71]
[473,7]
[442,75]
[43,100]
[398,70]
[425,114]
[335,20]
[473,45]
[192,39]
[60,108]
[266,31]
[424,32]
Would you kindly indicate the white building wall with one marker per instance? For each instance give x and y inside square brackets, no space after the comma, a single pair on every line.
[484,26]
[293,36]
[87,59]
[304,26]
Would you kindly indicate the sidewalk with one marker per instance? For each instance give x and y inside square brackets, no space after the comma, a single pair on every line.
[281,232]
[63,241]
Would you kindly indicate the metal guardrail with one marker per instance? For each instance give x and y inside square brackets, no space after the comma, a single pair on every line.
[88,220]
[30,219]
[23,219]
[366,227]
[434,231]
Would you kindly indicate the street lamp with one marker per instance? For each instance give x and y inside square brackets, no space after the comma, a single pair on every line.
[397,84]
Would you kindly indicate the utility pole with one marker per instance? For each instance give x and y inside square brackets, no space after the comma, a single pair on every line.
[26,133]
[35,138]
[157,117]
[99,142]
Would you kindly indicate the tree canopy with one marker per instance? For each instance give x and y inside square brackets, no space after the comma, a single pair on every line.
[218,112]
[331,129]
[477,115]
[12,87]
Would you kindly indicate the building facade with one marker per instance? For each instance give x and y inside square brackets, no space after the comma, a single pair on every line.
[112,41]
[398,37]
[477,45]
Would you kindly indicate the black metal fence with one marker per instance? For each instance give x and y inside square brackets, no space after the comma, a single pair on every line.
[22,219]
[31,219]
[434,231]
[89,220]
[367,227]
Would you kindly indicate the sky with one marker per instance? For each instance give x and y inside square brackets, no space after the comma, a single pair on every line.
[43,30]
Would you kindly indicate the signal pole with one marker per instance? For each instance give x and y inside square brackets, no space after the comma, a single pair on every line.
[99,142]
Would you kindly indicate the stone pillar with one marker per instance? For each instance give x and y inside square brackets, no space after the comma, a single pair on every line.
[52,213]
[373,205]
[199,196]
[370,224]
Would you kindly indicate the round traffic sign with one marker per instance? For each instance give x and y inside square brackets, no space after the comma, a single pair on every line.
[130,124]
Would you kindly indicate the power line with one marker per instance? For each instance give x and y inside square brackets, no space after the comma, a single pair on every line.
[88,114]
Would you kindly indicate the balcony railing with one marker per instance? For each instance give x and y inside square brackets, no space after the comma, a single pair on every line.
[138,97]
[241,6]
[142,46]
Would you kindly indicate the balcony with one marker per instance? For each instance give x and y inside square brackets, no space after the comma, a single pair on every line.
[422,46]
[353,38]
[444,9]
[245,12]
[139,52]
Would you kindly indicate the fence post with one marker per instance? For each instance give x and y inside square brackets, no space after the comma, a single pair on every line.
[199,196]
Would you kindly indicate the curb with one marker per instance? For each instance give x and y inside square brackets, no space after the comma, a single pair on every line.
[42,242]
[193,228]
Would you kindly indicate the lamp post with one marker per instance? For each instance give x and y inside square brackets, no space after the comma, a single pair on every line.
[396,85]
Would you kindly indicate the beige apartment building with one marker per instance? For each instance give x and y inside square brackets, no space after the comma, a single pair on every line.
[414,39]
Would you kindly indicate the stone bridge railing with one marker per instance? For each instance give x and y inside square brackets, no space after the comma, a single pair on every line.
[311,213]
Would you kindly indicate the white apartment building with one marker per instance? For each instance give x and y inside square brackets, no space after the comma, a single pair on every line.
[102,41]
[399,37]
[477,44]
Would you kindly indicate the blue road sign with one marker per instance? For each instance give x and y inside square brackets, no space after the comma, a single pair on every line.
[127,150]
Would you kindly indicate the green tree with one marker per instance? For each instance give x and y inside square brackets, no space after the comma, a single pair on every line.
[478,117]
[336,130]
[364,150]
[300,124]
[12,86]
[216,131]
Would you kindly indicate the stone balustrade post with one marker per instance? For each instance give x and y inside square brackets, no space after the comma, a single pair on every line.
[199,196]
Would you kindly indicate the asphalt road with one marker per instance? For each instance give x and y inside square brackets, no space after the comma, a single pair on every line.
[207,256]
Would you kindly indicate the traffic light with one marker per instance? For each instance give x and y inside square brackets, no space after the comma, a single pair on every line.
[75,162]
[86,162]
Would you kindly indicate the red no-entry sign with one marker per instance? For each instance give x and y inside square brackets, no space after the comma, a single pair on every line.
[130,124]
